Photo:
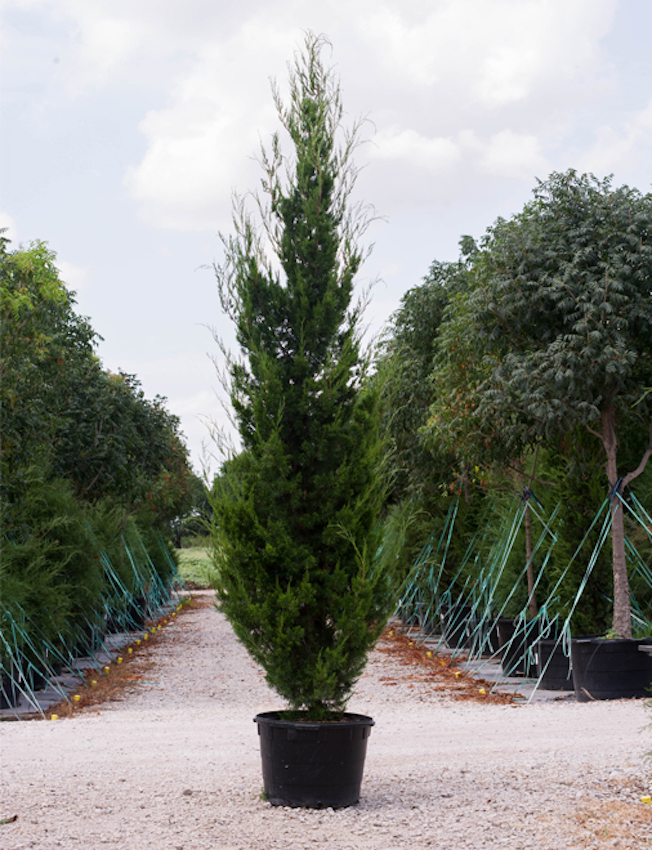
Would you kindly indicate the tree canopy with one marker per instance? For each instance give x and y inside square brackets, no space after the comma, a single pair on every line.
[555,332]
[62,412]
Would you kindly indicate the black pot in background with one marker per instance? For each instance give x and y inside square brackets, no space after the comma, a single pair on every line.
[313,764]
[36,675]
[456,625]
[491,644]
[138,611]
[610,668]
[9,693]
[556,676]
[515,657]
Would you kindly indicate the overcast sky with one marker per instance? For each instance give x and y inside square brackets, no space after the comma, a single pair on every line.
[126,125]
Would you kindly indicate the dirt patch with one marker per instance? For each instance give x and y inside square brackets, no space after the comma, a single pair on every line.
[625,825]
[193,585]
[436,671]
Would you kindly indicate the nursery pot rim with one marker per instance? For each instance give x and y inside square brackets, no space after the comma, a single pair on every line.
[610,640]
[345,719]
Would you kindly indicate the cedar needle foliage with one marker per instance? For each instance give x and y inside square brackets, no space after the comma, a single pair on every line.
[297,510]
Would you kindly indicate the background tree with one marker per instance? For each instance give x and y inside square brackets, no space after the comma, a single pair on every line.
[61,412]
[73,438]
[297,511]
[41,339]
[424,473]
[560,317]
[192,527]
[405,364]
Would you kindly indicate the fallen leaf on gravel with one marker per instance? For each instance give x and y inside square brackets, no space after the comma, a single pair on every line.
[629,824]
[12,819]
[439,672]
[120,678]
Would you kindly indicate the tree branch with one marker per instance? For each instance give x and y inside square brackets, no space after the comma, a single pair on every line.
[641,467]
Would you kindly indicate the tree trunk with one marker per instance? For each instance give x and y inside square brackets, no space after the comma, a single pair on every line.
[622,619]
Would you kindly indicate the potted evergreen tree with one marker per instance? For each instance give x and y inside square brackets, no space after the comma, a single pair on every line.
[296,511]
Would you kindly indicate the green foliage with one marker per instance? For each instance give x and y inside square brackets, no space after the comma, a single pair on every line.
[576,468]
[557,319]
[42,342]
[51,571]
[563,299]
[113,442]
[87,465]
[555,332]
[404,368]
[196,566]
[297,511]
[59,410]
[426,475]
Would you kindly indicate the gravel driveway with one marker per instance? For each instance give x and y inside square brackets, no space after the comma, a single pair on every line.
[175,765]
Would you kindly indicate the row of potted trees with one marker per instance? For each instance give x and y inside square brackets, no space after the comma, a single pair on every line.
[595,667]
[47,621]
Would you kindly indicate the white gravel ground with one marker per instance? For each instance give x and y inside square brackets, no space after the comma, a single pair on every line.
[176,765]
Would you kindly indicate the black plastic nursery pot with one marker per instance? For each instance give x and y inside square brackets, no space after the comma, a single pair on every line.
[9,693]
[610,668]
[553,666]
[515,639]
[490,642]
[313,764]
[456,626]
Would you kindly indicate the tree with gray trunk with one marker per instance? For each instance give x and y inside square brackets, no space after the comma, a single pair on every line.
[559,321]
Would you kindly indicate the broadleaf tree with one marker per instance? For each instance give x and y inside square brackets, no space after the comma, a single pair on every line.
[62,413]
[560,316]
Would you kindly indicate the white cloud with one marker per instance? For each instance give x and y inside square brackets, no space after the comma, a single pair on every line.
[618,149]
[499,52]
[202,146]
[411,147]
[75,277]
[425,72]
[469,98]
[507,72]
[514,155]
